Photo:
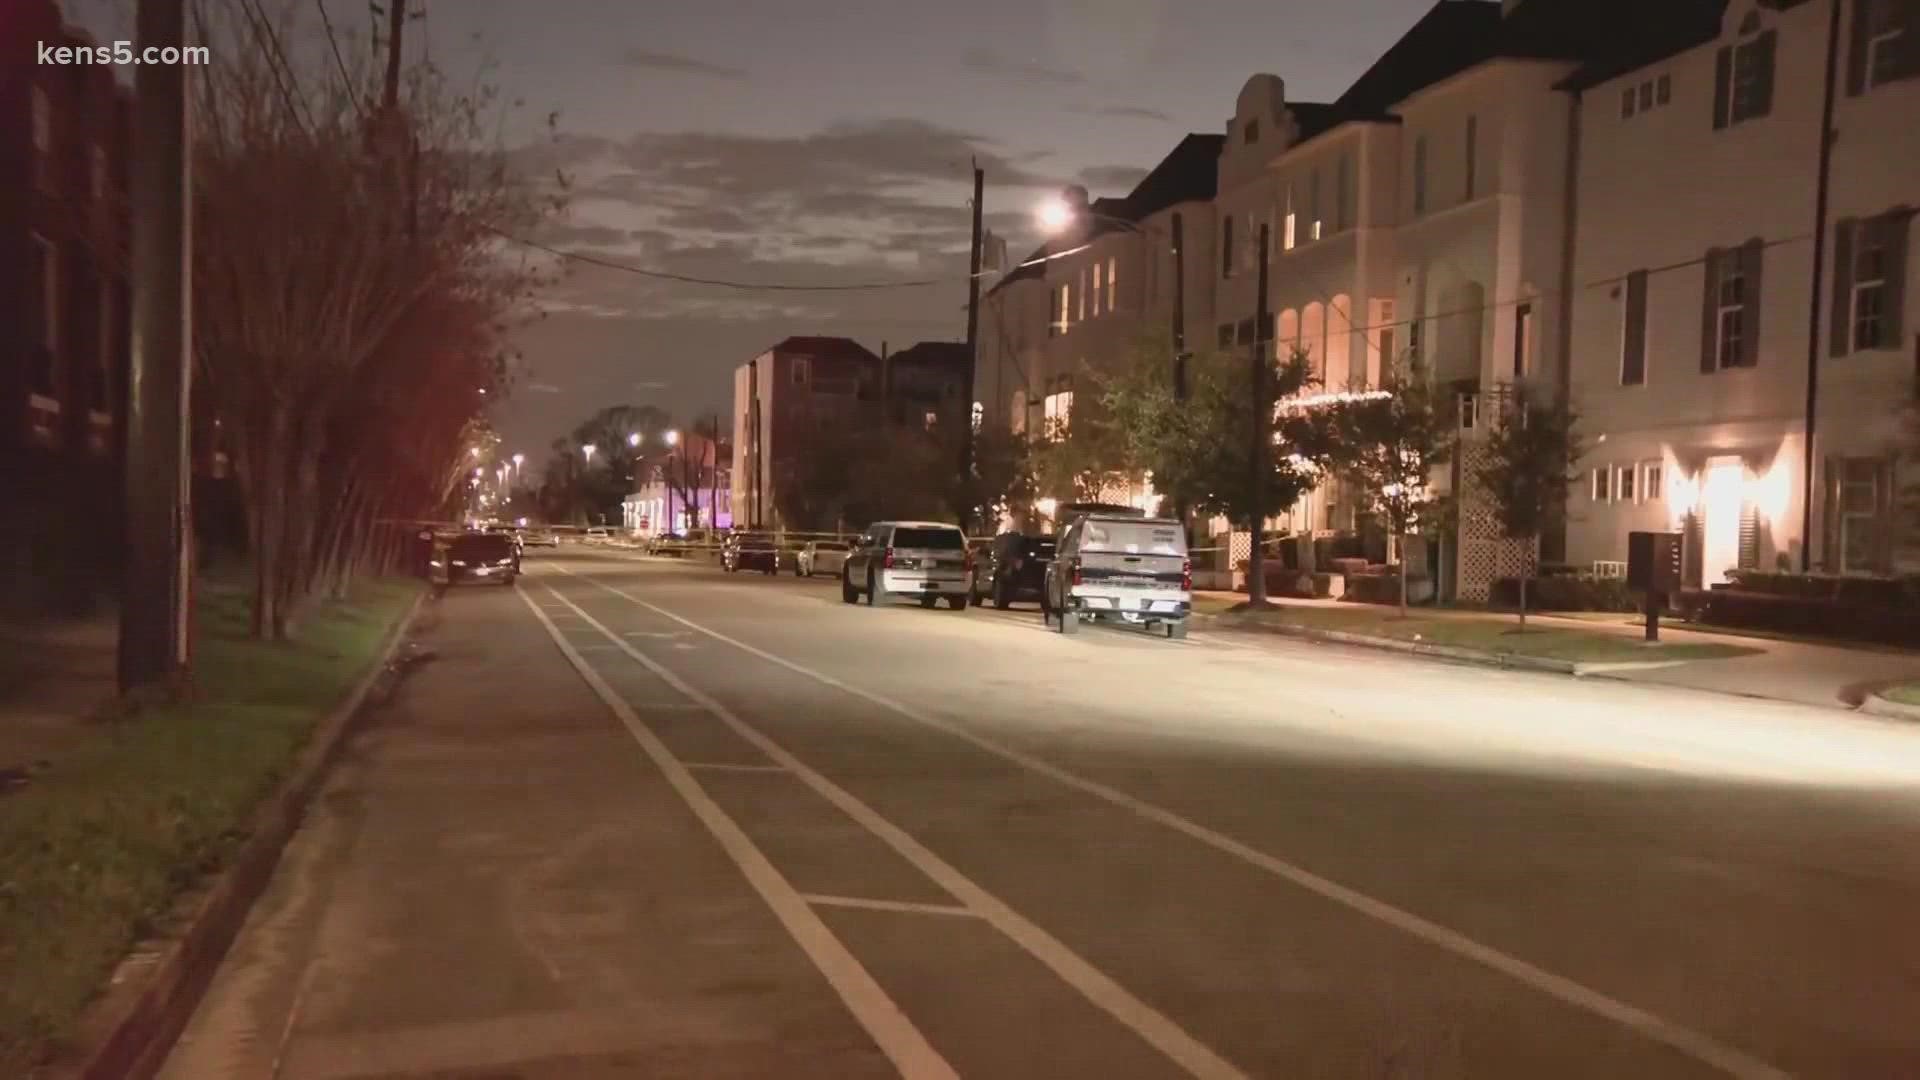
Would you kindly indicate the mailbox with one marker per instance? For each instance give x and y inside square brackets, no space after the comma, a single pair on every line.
[1654,562]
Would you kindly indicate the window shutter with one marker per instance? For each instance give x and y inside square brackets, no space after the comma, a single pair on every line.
[1857,48]
[1899,227]
[1709,311]
[1722,85]
[1633,359]
[1883,516]
[1752,255]
[1749,536]
[1768,46]
[1840,334]
[1830,520]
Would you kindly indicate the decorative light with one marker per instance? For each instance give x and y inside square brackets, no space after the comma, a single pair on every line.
[1047,506]
[1340,397]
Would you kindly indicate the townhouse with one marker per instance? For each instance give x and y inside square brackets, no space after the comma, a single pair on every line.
[1739,381]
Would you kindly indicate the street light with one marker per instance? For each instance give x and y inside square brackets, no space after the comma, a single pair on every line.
[673,437]
[633,439]
[1067,209]
[519,460]
[588,450]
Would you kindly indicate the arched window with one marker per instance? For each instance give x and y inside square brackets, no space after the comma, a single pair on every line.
[1339,371]
[1313,337]
[1287,332]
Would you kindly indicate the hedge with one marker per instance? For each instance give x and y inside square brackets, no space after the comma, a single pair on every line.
[1814,616]
[1880,592]
[1566,592]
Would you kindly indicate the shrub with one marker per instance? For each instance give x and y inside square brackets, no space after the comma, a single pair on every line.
[1815,616]
[1566,592]
[1890,592]
[1379,588]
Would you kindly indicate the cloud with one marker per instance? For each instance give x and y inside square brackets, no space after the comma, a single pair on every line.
[649,60]
[1110,177]
[543,388]
[984,61]
[1124,112]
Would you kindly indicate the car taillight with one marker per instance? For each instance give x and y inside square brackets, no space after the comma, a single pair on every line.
[886,561]
[1186,576]
[1075,564]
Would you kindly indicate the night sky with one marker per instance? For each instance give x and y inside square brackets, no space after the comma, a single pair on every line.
[827,141]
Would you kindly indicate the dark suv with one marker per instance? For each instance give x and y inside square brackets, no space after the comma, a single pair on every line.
[1015,568]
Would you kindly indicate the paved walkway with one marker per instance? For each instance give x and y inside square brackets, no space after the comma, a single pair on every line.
[54,677]
[1797,671]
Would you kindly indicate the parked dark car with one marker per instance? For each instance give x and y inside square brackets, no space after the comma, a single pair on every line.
[476,557]
[750,551]
[1013,569]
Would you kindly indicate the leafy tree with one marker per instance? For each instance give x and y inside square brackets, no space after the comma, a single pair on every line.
[1527,467]
[1002,479]
[1388,448]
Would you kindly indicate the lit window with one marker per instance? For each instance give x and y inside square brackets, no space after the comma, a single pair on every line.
[1624,485]
[801,371]
[1287,225]
[1602,484]
[1113,271]
[1313,207]
[1081,311]
[1650,486]
[1099,285]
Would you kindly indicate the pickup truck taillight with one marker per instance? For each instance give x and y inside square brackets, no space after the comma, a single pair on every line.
[1186,576]
[886,561]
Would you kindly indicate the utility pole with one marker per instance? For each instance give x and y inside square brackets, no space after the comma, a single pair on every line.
[1262,438]
[1180,508]
[753,442]
[390,91]
[713,489]
[156,601]
[973,350]
[1817,302]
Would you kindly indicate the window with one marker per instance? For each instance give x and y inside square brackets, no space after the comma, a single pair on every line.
[801,370]
[1473,153]
[42,139]
[978,417]
[1057,310]
[1627,99]
[1730,321]
[1870,291]
[1651,489]
[1057,407]
[1251,132]
[1287,227]
[1602,484]
[1226,246]
[1633,331]
[1869,259]
[1883,37]
[1623,486]
[1663,90]
[1646,96]
[1113,271]
[1243,331]
[1099,285]
[1420,174]
[1522,339]
[1743,80]
[1413,339]
[47,334]
[1341,180]
[1468,407]
[1081,315]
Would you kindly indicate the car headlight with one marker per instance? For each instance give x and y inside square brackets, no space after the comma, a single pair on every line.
[459,562]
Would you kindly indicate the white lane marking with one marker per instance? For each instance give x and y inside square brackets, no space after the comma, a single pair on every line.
[906,907]
[1149,1023]
[734,766]
[1701,1047]
[667,706]
[884,1020]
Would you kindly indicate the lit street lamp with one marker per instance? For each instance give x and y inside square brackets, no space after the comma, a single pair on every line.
[588,450]
[673,437]
[633,439]
[1069,208]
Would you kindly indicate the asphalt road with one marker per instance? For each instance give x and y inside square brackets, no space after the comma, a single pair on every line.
[637,818]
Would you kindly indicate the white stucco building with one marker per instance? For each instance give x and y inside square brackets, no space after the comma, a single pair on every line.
[1696,316]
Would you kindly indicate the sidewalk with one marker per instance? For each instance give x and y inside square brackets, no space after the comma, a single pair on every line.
[54,678]
[1720,661]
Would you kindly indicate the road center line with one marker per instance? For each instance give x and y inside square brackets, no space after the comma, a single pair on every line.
[1697,1045]
[882,1018]
[1099,988]
[733,766]
[906,907]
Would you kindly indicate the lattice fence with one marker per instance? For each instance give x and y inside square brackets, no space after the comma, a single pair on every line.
[1485,555]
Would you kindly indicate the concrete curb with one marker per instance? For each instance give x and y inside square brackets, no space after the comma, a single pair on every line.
[1878,705]
[1507,661]
[152,994]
